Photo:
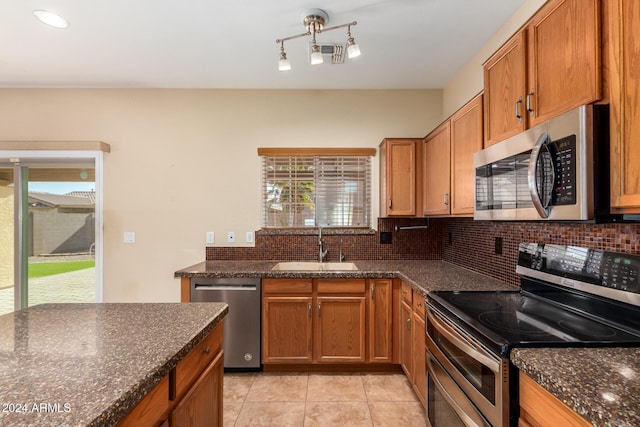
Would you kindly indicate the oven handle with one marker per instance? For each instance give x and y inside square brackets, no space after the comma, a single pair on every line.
[543,211]
[489,362]
[460,404]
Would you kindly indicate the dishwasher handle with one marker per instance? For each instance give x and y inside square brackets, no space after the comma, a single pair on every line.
[225,287]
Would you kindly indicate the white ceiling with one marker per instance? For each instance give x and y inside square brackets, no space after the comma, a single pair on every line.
[231,43]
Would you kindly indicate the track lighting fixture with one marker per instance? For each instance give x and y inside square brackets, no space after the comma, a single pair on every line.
[314,21]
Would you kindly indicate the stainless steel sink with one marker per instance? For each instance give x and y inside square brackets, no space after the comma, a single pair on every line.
[314,266]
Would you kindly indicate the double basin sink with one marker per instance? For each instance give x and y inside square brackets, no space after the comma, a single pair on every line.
[314,266]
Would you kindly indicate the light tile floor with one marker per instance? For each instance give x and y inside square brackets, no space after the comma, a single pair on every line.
[318,399]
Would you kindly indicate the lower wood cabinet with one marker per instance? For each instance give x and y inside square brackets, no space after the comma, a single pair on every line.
[327,321]
[198,408]
[287,329]
[412,340]
[191,395]
[539,408]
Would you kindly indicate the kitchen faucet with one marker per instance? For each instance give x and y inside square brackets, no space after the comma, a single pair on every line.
[322,253]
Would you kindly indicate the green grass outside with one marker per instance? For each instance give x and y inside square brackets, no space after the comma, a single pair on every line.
[50,268]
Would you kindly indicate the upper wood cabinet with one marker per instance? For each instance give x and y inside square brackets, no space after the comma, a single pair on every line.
[505,84]
[436,170]
[466,139]
[624,52]
[399,177]
[551,66]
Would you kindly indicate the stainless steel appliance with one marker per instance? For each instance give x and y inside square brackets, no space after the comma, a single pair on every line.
[242,330]
[558,170]
[569,296]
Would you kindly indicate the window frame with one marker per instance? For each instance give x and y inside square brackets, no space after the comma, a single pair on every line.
[315,154]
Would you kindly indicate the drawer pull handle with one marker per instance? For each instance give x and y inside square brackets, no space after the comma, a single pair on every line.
[206,350]
[419,304]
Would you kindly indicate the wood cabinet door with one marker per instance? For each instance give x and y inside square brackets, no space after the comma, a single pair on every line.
[287,329]
[400,177]
[202,405]
[624,24]
[419,357]
[406,337]
[466,139]
[505,83]
[564,64]
[340,329]
[436,170]
[380,320]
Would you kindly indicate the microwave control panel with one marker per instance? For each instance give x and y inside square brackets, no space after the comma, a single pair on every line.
[563,152]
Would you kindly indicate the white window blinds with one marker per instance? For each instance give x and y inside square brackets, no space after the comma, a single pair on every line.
[310,191]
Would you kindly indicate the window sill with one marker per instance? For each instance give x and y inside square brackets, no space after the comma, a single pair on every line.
[314,230]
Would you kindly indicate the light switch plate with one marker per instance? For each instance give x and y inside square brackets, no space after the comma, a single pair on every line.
[129,237]
[210,237]
[249,237]
[231,237]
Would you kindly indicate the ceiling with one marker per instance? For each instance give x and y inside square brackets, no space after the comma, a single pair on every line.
[405,44]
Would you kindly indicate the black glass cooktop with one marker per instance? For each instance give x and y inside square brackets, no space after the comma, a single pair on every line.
[508,319]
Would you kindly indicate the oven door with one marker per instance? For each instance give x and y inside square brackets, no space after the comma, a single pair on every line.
[482,375]
[447,405]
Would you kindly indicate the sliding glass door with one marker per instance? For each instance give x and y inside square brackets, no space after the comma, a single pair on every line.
[49,211]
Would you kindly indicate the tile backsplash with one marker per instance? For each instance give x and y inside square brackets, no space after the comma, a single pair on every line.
[420,243]
[472,244]
[462,241]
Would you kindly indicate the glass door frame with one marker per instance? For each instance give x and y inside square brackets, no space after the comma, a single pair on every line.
[22,159]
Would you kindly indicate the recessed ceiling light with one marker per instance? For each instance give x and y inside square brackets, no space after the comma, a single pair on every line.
[51,18]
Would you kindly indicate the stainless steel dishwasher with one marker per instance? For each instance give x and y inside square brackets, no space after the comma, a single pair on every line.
[242,332]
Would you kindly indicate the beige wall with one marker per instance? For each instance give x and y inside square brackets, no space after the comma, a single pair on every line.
[184,162]
[468,82]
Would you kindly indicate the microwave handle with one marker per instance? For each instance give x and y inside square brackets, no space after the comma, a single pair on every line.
[543,211]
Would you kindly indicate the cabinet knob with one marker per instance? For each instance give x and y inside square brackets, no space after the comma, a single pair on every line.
[419,304]
[206,350]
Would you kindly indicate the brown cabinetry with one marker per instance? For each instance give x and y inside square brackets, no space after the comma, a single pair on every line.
[539,408]
[436,151]
[412,340]
[400,181]
[313,321]
[551,66]
[448,162]
[197,408]
[380,320]
[191,395]
[624,51]
[466,139]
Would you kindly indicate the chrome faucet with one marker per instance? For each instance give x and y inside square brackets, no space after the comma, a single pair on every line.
[323,253]
[341,257]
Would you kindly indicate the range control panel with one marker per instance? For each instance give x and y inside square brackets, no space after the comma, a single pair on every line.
[609,269]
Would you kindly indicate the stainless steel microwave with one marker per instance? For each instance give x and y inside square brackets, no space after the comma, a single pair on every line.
[557,170]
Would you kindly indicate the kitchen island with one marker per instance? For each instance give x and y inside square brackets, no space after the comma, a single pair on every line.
[91,364]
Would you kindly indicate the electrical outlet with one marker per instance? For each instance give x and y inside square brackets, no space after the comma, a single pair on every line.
[249,237]
[385,237]
[211,237]
[129,237]
[231,237]
[498,246]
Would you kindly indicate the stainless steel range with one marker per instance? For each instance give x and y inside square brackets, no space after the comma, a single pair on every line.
[569,297]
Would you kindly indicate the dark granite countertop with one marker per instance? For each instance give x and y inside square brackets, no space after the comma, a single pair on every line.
[90,364]
[424,275]
[600,384]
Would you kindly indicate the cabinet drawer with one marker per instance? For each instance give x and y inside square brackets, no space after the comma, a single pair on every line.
[418,304]
[286,286]
[194,363]
[151,409]
[341,286]
[406,292]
